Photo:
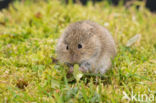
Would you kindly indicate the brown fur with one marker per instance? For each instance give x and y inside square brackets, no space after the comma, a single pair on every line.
[98,47]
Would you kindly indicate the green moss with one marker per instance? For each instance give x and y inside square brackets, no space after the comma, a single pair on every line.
[28,35]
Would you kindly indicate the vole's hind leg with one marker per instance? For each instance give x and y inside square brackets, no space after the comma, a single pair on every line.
[104,64]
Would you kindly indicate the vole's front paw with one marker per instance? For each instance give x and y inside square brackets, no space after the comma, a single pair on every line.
[71,70]
[83,69]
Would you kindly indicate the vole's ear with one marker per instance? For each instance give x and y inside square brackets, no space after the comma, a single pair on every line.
[88,28]
[59,41]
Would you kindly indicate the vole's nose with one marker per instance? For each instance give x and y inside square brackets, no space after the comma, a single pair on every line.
[74,59]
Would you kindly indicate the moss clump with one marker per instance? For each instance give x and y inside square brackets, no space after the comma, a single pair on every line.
[29,32]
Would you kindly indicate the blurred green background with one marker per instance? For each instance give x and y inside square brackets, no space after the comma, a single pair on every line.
[29,74]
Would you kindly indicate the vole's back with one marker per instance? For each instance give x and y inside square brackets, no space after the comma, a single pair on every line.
[88,44]
[108,44]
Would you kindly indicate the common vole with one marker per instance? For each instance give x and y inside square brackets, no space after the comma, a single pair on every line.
[88,44]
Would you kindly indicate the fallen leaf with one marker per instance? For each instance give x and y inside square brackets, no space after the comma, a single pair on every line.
[77,73]
[38,15]
[133,40]
[21,84]
[2,23]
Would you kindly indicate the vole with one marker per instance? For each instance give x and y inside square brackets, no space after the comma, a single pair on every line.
[88,44]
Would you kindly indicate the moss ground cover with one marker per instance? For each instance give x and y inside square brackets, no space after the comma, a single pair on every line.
[29,33]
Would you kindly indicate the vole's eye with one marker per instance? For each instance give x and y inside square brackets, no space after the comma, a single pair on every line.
[79,46]
[67,47]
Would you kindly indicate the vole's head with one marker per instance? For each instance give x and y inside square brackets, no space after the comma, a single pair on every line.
[78,43]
